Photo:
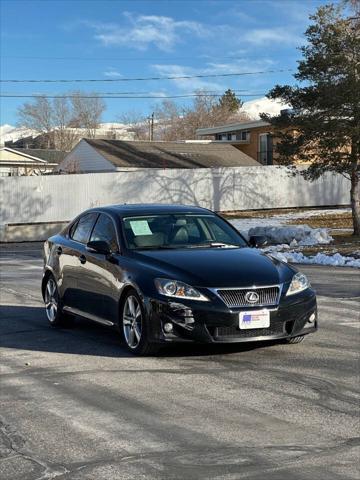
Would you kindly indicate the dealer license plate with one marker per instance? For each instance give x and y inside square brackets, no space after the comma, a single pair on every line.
[254,319]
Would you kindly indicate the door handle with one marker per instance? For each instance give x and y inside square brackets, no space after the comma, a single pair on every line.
[82,259]
[59,250]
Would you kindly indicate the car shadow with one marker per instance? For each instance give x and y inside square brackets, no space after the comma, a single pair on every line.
[26,328]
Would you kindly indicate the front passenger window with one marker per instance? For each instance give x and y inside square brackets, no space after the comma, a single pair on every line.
[104,230]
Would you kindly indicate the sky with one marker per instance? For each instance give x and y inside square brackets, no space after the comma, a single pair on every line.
[115,40]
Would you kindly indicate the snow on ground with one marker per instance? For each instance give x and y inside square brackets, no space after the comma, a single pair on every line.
[245,224]
[295,235]
[336,260]
[286,240]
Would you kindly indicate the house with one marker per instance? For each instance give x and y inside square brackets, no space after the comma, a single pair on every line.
[252,138]
[22,161]
[95,155]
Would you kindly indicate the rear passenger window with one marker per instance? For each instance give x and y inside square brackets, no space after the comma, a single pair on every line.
[83,228]
[104,230]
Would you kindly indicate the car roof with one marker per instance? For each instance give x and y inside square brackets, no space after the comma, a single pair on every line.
[150,209]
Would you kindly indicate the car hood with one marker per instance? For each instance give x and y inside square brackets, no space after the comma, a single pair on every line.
[217,267]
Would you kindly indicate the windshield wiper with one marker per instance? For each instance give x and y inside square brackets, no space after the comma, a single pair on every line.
[213,245]
[156,247]
[190,245]
[222,244]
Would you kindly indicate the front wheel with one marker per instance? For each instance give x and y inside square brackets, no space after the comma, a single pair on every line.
[133,325]
[54,313]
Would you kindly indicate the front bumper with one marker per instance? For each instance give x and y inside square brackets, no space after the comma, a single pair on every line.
[214,322]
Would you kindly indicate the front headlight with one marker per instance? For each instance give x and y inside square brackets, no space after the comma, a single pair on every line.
[298,283]
[176,289]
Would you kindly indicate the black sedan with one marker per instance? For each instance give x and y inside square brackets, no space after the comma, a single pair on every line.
[165,273]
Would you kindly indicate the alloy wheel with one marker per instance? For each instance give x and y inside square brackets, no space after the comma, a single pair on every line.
[132,321]
[51,300]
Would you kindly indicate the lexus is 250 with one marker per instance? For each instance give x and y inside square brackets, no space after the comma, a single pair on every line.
[171,273]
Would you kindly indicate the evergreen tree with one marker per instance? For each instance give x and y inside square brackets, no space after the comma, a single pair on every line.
[323,125]
[229,101]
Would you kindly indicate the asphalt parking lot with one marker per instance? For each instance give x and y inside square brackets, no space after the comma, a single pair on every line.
[74,405]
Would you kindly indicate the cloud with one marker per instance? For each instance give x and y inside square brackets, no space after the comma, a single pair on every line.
[143,31]
[187,84]
[213,68]
[112,73]
[264,36]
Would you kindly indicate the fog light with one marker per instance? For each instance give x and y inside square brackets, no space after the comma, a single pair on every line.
[312,318]
[168,327]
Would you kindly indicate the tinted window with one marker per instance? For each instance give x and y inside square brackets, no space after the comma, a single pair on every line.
[104,230]
[83,228]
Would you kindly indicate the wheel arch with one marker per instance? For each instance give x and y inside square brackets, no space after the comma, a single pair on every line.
[127,288]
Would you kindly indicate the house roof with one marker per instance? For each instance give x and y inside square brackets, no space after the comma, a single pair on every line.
[233,127]
[51,156]
[170,154]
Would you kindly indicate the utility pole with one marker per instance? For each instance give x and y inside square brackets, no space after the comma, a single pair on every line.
[151,127]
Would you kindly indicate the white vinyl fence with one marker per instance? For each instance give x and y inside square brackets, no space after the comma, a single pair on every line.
[58,198]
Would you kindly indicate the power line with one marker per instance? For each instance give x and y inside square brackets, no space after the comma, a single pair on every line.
[126,96]
[132,59]
[137,79]
[75,94]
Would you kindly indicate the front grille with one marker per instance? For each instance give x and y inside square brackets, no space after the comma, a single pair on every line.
[237,297]
[276,328]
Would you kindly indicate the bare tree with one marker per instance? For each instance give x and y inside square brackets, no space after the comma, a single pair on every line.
[58,119]
[137,124]
[87,112]
[37,116]
[174,122]
[63,136]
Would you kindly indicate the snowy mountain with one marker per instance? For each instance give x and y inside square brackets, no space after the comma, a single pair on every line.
[262,105]
[122,131]
[9,132]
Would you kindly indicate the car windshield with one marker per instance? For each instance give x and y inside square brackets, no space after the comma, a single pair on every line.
[180,231]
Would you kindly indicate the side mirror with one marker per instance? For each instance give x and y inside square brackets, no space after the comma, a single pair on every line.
[99,246]
[257,241]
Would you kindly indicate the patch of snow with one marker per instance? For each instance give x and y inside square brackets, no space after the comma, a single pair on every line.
[244,224]
[293,235]
[288,240]
[336,260]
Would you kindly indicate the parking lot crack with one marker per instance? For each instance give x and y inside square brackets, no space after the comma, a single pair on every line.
[14,446]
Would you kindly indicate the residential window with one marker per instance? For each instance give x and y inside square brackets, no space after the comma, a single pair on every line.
[265,153]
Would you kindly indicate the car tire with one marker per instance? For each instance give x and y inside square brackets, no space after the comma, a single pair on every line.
[293,340]
[56,317]
[134,327]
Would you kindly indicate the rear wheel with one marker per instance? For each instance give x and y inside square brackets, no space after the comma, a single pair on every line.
[134,326]
[294,340]
[52,301]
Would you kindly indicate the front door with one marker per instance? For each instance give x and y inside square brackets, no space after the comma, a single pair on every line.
[101,274]
[73,284]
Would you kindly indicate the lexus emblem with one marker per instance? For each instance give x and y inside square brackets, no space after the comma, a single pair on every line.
[252,297]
